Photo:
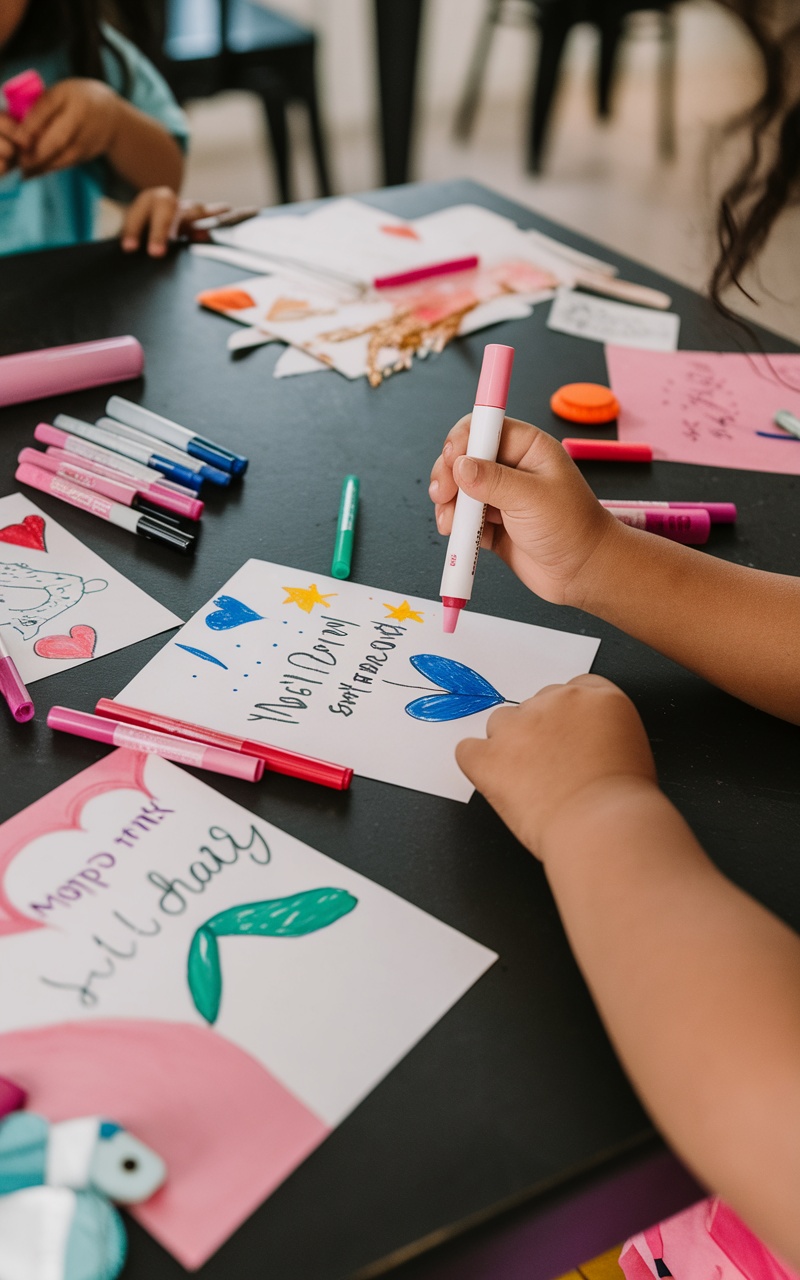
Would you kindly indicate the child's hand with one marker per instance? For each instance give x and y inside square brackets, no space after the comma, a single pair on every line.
[543,519]
[158,216]
[74,121]
[566,749]
[9,136]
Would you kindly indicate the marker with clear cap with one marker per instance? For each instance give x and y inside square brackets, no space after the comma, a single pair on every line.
[488,416]
[153,424]
[128,449]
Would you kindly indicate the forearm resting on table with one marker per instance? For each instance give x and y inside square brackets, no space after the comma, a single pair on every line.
[735,626]
[699,988]
[143,153]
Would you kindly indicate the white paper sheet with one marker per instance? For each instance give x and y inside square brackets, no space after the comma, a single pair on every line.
[60,604]
[352,674]
[618,323]
[245,990]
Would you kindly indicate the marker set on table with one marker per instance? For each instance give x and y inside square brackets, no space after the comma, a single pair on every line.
[133,468]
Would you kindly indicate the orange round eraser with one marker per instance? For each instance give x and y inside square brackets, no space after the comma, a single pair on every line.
[586,402]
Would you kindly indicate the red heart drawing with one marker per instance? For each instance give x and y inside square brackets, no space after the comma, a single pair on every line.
[78,644]
[28,534]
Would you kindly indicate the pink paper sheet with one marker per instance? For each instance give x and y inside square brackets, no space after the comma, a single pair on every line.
[706,407]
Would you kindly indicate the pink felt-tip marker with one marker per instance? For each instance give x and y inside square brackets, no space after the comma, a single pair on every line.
[434,269]
[608,450]
[12,688]
[116,485]
[20,93]
[488,416]
[719,512]
[690,527]
[180,750]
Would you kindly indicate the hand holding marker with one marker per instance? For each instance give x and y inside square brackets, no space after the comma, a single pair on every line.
[464,544]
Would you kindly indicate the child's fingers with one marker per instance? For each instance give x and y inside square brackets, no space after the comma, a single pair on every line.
[137,215]
[50,148]
[41,114]
[470,758]
[161,218]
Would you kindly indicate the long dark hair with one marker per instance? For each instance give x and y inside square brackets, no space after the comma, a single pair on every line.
[770,177]
[75,25]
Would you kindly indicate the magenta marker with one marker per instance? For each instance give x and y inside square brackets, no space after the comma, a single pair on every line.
[12,688]
[54,371]
[114,484]
[90,453]
[20,93]
[488,416]
[691,527]
[719,512]
[113,732]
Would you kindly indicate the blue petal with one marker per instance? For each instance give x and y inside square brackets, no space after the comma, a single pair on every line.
[453,676]
[451,706]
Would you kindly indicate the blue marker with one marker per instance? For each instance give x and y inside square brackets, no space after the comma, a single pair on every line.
[129,449]
[213,474]
[152,424]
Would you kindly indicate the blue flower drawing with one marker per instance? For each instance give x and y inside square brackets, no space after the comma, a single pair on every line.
[465,692]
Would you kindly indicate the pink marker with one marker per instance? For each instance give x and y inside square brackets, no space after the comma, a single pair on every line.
[488,416]
[691,527]
[31,375]
[114,484]
[145,524]
[180,750]
[55,438]
[12,688]
[426,273]
[720,512]
[20,93]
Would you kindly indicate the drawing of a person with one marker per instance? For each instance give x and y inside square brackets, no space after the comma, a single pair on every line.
[29,598]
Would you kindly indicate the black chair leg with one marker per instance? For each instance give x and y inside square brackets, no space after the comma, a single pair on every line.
[307,86]
[610,34]
[554,25]
[275,113]
[468,107]
[666,86]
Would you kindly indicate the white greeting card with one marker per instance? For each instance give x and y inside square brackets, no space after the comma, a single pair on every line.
[357,675]
[176,964]
[60,604]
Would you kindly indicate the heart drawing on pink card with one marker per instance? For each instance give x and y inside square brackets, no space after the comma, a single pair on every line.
[79,643]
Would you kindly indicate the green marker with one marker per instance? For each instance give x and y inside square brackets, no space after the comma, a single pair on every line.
[343,546]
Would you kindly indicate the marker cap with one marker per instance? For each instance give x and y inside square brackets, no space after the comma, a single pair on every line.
[216,456]
[14,691]
[21,92]
[174,471]
[609,450]
[495,376]
[235,764]
[54,371]
[586,402]
[169,535]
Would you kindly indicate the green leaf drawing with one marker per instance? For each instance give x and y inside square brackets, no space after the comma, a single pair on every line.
[290,917]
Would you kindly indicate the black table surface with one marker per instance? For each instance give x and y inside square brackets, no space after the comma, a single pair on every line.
[517,1088]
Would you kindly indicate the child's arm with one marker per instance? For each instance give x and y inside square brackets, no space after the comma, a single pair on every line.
[698,985]
[78,120]
[737,627]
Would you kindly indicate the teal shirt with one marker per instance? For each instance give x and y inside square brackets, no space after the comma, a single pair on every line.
[60,208]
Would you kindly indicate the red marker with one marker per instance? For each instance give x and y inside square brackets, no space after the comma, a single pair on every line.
[416,274]
[608,450]
[275,758]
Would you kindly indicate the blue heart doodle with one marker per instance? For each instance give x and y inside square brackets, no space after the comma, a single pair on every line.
[230,613]
[466,694]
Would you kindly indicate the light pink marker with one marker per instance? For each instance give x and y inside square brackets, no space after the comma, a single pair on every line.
[691,527]
[12,688]
[720,512]
[90,453]
[114,484]
[488,416]
[53,371]
[180,750]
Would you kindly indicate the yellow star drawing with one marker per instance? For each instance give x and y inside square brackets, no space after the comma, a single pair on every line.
[403,612]
[307,597]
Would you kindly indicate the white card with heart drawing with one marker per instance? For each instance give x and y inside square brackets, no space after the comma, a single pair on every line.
[352,674]
[60,604]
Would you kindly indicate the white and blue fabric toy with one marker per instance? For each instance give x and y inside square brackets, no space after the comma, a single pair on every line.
[57,1182]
